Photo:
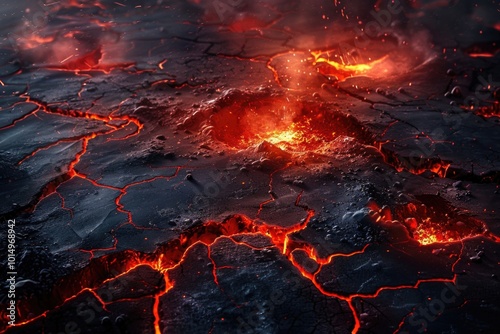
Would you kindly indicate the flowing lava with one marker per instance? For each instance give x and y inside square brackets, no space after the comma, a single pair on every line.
[242,120]
[170,255]
[431,220]
[342,70]
[492,110]
[414,165]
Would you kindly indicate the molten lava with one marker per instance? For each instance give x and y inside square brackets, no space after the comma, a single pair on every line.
[430,220]
[244,120]
[492,110]
[340,68]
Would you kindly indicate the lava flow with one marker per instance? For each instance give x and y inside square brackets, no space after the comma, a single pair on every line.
[243,120]
[173,166]
[431,220]
[342,70]
[170,255]
[113,123]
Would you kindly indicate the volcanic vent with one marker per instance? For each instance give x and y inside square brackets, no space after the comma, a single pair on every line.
[242,119]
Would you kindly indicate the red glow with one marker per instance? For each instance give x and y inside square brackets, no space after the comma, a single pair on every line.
[343,70]
[431,221]
[288,124]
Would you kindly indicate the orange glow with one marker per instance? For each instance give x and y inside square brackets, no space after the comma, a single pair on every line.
[294,138]
[487,111]
[172,254]
[33,41]
[340,69]
[414,165]
[482,55]
[291,125]
[431,221]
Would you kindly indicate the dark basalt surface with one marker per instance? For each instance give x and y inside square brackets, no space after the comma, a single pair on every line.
[149,197]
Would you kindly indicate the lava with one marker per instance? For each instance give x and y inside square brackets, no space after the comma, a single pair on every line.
[340,69]
[492,110]
[172,254]
[431,220]
[114,123]
[413,164]
[243,120]
[278,122]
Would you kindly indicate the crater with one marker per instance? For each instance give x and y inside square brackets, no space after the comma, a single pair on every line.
[241,120]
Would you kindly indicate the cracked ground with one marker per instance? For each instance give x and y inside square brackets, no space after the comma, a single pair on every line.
[271,166]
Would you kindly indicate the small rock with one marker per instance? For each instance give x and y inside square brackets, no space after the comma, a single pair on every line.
[475,258]
[457,184]
[298,183]
[456,91]
[411,222]
[120,320]
[496,94]
[105,321]
[437,251]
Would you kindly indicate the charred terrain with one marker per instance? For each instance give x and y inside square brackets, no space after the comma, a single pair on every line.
[276,166]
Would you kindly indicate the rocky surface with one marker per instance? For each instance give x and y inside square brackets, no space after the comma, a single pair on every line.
[251,167]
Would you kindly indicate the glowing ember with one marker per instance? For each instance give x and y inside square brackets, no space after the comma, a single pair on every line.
[487,111]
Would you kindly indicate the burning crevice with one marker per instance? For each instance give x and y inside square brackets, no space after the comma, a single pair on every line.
[166,257]
[413,164]
[170,255]
[247,122]
[243,120]
[114,123]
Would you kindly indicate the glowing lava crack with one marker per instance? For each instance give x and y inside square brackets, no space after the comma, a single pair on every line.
[172,254]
